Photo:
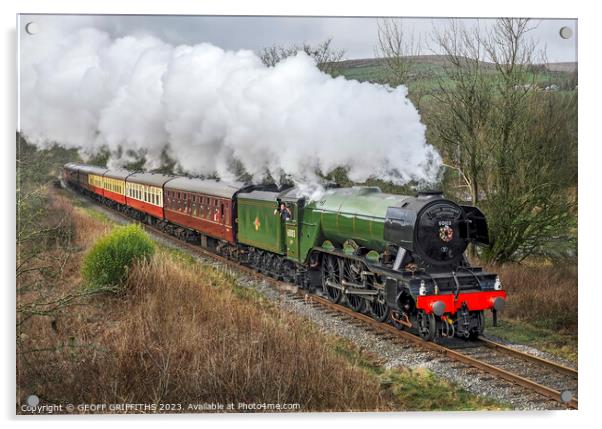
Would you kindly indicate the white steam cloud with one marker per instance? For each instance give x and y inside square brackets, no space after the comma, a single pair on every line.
[208,108]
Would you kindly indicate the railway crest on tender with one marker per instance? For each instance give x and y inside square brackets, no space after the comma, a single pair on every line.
[257,223]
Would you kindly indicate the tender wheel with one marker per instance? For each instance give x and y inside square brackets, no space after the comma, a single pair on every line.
[426,325]
[330,273]
[256,261]
[264,262]
[379,310]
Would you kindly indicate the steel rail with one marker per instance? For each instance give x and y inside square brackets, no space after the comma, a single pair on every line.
[528,357]
[494,370]
[397,334]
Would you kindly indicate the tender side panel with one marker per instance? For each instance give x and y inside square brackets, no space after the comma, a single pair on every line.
[206,214]
[258,226]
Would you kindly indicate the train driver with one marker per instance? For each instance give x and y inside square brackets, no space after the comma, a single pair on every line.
[284,211]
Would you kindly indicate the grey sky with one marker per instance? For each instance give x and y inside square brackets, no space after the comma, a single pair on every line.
[357,36]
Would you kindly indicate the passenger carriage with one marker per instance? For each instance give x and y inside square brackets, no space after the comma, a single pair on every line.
[205,206]
[144,192]
[90,178]
[71,173]
[113,184]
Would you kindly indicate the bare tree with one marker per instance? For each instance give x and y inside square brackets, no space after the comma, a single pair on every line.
[464,99]
[504,139]
[325,56]
[398,50]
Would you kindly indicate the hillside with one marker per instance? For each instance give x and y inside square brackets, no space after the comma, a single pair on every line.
[429,68]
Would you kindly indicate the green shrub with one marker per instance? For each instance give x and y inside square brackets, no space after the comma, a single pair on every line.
[107,264]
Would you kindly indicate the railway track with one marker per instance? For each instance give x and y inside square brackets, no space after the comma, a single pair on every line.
[544,377]
[547,378]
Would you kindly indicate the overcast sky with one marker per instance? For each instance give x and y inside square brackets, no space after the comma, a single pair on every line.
[357,36]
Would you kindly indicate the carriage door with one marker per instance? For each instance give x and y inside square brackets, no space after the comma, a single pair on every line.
[292,233]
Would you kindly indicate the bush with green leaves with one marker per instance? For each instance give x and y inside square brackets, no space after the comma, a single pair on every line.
[107,264]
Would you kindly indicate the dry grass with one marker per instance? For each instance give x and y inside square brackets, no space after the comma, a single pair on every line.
[181,334]
[543,295]
[185,339]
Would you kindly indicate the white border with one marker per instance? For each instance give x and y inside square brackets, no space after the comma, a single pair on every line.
[589,164]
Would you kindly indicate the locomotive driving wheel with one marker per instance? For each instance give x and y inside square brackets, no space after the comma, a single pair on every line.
[331,275]
[352,273]
[379,310]
[356,303]
[426,325]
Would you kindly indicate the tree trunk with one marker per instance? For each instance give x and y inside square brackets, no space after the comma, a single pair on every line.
[474,196]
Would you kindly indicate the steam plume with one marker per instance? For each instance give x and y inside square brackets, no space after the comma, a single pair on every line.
[209,108]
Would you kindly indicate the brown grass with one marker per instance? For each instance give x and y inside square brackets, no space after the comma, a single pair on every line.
[182,334]
[543,295]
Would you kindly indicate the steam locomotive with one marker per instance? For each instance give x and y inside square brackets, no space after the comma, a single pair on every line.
[400,259]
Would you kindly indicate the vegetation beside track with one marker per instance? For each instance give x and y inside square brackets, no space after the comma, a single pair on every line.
[415,389]
[542,307]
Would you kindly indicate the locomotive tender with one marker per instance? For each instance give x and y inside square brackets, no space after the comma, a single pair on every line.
[398,258]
